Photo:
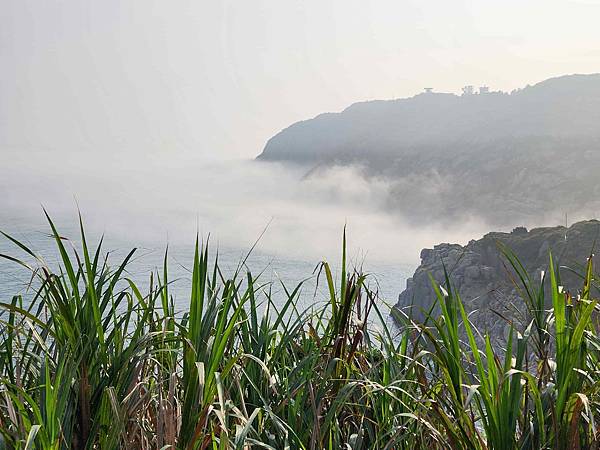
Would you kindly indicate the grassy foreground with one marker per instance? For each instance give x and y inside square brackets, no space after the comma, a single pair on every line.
[98,362]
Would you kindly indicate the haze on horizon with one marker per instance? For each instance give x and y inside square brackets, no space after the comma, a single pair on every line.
[217,79]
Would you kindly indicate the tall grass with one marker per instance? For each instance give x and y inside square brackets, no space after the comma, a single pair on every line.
[96,361]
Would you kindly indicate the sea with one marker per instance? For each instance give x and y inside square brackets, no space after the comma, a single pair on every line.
[269,219]
[273,271]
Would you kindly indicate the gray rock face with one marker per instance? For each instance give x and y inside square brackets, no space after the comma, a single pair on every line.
[484,278]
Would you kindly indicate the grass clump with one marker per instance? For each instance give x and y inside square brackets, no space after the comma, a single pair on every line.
[95,361]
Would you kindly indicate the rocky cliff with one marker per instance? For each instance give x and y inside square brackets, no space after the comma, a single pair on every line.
[484,279]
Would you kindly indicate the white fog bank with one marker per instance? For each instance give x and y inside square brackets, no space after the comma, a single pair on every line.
[155,201]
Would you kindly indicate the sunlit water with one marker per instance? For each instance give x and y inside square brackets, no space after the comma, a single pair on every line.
[273,270]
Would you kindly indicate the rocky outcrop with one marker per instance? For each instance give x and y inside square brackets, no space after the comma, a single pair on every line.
[485,280]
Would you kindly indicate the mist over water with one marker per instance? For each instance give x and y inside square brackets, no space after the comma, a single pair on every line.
[153,202]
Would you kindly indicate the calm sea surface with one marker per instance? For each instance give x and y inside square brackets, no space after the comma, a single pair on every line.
[272,269]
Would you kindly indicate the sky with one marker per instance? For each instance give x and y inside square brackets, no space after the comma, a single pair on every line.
[216,79]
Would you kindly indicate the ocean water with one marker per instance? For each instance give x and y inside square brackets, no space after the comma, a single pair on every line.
[291,222]
[273,269]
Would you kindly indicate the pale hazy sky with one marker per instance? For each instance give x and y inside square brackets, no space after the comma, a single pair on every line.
[221,77]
